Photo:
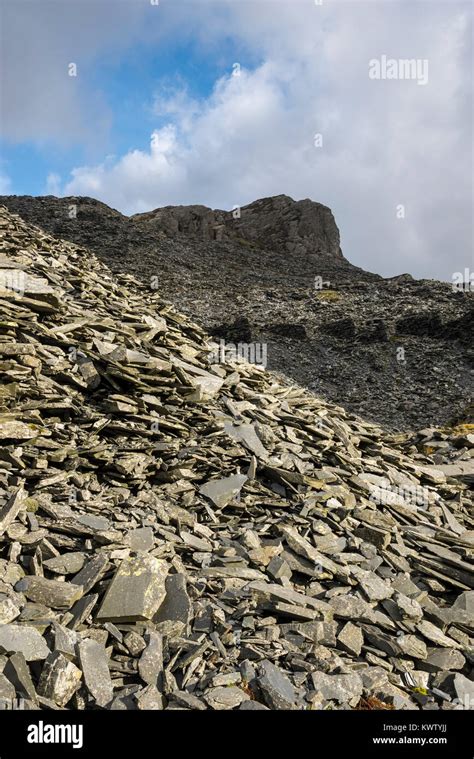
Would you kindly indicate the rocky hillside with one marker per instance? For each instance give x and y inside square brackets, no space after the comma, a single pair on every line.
[398,351]
[182,532]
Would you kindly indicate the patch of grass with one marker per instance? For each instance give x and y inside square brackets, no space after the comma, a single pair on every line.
[328,296]
[248,244]
[461,429]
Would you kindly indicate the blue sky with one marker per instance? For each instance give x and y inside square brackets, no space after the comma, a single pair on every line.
[126,81]
[156,115]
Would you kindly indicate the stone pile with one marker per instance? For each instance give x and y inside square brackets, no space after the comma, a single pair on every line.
[397,351]
[451,449]
[176,534]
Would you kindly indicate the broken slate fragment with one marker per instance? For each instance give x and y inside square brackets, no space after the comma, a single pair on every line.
[141,539]
[351,639]
[136,591]
[18,673]
[464,690]
[52,593]
[65,640]
[432,633]
[188,700]
[7,691]
[59,680]
[91,573]
[276,688]
[25,640]
[9,512]
[253,706]
[221,492]
[443,660]
[409,608]
[172,618]
[412,646]
[374,588]
[66,564]
[134,642]
[224,697]
[149,699]
[94,523]
[245,434]
[95,667]
[8,610]
[341,688]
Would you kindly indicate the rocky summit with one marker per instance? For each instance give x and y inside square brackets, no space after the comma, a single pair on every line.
[181,532]
[397,351]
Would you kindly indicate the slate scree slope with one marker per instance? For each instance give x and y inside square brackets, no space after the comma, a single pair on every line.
[396,351]
[182,534]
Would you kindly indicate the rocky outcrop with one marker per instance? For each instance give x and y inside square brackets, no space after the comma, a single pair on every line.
[300,228]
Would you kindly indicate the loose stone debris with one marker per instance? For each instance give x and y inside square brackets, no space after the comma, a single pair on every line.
[274,285]
[176,534]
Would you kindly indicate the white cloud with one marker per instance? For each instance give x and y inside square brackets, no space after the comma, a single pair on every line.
[384,142]
[53,184]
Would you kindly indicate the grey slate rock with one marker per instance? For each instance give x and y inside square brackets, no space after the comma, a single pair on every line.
[224,697]
[464,689]
[91,573]
[10,511]
[68,563]
[253,706]
[25,640]
[7,691]
[222,491]
[351,639]
[53,593]
[95,668]
[141,539]
[17,672]
[174,614]
[8,610]
[188,700]
[136,591]
[276,688]
[341,688]
[59,680]
[149,699]
[150,665]
[443,660]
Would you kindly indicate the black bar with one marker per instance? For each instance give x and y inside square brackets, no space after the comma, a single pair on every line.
[117,734]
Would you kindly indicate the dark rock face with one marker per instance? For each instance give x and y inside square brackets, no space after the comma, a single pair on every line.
[344,329]
[295,331]
[300,228]
[237,332]
[422,324]
[394,350]
[461,329]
